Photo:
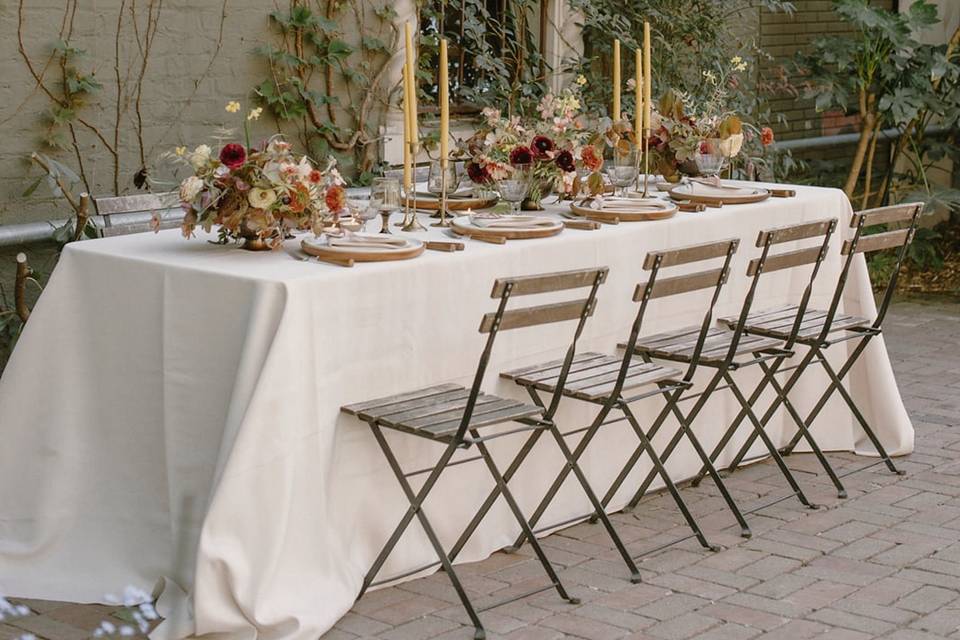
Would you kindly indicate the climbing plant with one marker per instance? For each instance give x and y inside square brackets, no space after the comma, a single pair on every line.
[328,76]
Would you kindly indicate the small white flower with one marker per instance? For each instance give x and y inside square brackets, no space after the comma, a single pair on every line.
[581,79]
[261,198]
[198,158]
[730,146]
[190,188]
[255,113]
[233,106]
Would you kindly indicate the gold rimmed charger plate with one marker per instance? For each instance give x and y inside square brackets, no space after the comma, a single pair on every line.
[454,203]
[463,226]
[319,248]
[629,210]
[717,196]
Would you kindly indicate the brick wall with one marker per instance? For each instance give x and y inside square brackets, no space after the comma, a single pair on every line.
[782,35]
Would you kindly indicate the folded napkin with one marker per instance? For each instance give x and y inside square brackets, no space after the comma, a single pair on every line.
[510,222]
[633,205]
[709,189]
[367,242]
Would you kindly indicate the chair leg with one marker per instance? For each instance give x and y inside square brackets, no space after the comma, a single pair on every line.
[558,482]
[738,420]
[774,453]
[495,492]
[863,421]
[822,402]
[416,503]
[671,487]
[595,501]
[711,470]
[804,430]
[518,514]
[677,437]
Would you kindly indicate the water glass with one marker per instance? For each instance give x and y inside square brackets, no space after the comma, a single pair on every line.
[385,199]
[709,157]
[515,187]
[435,179]
[622,170]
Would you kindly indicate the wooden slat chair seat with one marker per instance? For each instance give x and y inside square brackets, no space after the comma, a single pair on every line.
[679,345]
[436,412]
[592,376]
[778,322]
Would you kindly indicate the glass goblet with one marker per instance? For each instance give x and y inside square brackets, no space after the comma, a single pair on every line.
[385,199]
[435,179]
[622,170]
[709,158]
[515,186]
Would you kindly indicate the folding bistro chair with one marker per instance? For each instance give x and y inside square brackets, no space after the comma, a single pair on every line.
[821,329]
[728,351]
[613,382]
[453,415]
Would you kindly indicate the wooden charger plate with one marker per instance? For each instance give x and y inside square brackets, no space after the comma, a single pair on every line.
[626,211]
[718,197]
[462,225]
[454,203]
[319,248]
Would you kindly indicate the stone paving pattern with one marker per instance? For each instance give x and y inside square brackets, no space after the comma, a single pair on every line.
[883,563]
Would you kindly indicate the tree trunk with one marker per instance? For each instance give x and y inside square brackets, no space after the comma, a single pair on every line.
[868,173]
[867,124]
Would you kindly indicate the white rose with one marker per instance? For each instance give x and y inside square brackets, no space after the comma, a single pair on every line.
[261,198]
[189,188]
[730,147]
[199,156]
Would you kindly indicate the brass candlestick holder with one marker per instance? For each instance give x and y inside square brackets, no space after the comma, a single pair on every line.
[410,221]
[443,222]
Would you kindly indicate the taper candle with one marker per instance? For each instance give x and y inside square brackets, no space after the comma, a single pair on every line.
[411,88]
[444,104]
[407,158]
[647,77]
[638,97]
[615,113]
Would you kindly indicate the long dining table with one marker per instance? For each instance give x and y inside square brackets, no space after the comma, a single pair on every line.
[172,409]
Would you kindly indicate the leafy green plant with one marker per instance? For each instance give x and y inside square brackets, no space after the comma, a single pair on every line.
[328,77]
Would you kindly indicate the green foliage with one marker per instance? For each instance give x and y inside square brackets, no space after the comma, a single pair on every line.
[76,89]
[327,78]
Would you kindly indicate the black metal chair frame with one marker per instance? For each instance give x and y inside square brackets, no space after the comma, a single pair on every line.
[818,344]
[724,368]
[670,390]
[468,435]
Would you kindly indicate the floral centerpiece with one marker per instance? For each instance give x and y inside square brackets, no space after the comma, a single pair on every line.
[684,126]
[256,194]
[548,145]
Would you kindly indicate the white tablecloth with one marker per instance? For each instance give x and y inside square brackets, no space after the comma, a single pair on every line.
[172,408]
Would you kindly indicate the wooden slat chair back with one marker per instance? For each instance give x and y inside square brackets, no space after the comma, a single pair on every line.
[771,260]
[657,286]
[119,212]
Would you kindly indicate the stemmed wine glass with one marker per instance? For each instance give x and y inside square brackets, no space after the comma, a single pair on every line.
[622,170]
[385,199]
[709,158]
[515,186]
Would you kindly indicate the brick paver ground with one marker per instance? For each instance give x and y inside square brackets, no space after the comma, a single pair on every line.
[883,563]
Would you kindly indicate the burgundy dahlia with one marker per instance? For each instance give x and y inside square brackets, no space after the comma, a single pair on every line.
[233,155]
[478,173]
[565,161]
[542,145]
[521,155]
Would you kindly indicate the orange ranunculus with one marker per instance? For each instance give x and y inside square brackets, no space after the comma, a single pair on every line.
[336,198]
[766,136]
[299,198]
[591,159]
